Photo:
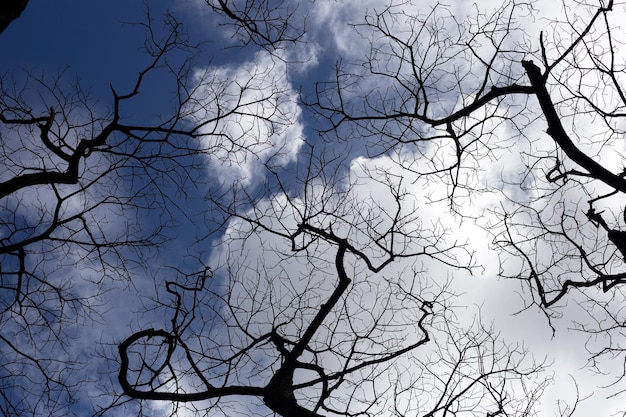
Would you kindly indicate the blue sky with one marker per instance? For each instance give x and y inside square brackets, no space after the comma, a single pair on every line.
[92,44]
[52,36]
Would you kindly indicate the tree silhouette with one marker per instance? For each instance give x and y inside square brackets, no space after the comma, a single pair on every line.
[304,340]
[77,185]
[9,11]
[443,99]
[326,280]
[463,95]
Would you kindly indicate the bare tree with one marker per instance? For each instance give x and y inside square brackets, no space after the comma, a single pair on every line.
[78,185]
[301,309]
[460,96]
[310,324]
[444,99]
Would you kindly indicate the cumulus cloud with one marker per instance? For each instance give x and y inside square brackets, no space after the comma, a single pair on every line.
[249,116]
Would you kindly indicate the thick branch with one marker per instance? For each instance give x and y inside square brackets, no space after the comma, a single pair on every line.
[557,132]
[69,176]
[213,392]
[493,94]
[279,396]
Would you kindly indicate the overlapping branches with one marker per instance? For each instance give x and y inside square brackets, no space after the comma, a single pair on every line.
[304,311]
[453,99]
[291,322]
[447,86]
[93,189]
[266,23]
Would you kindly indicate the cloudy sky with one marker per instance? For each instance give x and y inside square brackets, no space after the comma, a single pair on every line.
[270,151]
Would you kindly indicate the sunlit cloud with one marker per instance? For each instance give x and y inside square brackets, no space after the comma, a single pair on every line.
[250,115]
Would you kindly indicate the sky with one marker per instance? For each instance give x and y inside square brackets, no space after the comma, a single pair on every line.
[95,45]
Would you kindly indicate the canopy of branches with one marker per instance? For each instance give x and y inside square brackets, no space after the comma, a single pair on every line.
[302,208]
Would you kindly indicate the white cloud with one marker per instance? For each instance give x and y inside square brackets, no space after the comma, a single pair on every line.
[250,115]
[273,285]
